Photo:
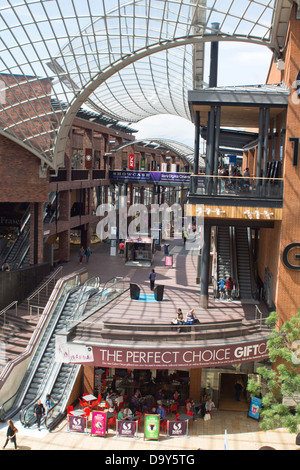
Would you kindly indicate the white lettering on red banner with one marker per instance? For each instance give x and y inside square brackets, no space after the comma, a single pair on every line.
[131,161]
[206,356]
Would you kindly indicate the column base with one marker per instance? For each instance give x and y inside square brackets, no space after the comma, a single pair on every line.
[203,302]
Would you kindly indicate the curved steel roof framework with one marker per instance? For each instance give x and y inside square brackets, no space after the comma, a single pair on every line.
[126,59]
[178,148]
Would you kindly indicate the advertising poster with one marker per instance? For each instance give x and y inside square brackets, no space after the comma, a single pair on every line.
[126,428]
[99,420]
[169,260]
[255,407]
[177,428]
[77,423]
[151,427]
[131,161]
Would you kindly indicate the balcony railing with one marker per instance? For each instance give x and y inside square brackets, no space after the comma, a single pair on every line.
[237,187]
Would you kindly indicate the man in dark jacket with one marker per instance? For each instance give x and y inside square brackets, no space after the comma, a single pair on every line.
[39,411]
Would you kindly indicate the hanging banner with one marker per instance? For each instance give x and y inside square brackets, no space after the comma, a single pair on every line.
[127,428]
[185,357]
[131,161]
[177,428]
[88,158]
[99,422]
[255,407]
[151,427]
[77,423]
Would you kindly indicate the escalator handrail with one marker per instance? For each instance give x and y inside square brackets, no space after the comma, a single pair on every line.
[40,353]
[235,272]
[52,372]
[85,286]
[64,398]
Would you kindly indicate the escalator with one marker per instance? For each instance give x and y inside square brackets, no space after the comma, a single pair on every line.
[44,375]
[18,255]
[223,253]
[244,263]
[47,361]
[234,259]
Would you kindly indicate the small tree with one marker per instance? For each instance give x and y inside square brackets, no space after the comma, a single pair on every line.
[283,379]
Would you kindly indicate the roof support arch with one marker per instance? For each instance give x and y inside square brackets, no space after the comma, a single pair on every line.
[83,95]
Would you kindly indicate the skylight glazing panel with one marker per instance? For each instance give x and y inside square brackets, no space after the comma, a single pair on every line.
[76,41]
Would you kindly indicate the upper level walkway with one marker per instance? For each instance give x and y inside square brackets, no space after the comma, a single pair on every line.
[149,322]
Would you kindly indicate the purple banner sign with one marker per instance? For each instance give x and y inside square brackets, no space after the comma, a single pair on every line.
[194,357]
[77,423]
[151,176]
[126,428]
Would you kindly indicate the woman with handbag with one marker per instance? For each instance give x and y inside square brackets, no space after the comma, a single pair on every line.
[11,434]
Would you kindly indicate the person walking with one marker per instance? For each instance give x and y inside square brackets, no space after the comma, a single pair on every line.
[239,387]
[81,254]
[49,403]
[39,411]
[87,254]
[229,287]
[152,278]
[209,406]
[11,434]
[121,248]
[222,283]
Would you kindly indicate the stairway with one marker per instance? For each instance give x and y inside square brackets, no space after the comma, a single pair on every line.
[19,327]
[243,263]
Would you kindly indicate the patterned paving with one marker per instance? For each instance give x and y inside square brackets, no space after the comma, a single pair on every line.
[181,289]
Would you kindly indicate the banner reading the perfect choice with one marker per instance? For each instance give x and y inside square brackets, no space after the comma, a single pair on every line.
[206,356]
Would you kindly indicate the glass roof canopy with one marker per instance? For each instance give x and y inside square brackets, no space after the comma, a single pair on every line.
[125,59]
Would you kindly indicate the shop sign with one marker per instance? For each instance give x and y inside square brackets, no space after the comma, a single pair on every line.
[72,353]
[287,254]
[99,422]
[177,428]
[77,423]
[152,176]
[127,428]
[187,358]
[131,161]
[255,407]
[151,427]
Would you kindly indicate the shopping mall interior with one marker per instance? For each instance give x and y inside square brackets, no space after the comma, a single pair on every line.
[105,236]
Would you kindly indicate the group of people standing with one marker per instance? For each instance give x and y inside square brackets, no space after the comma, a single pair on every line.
[226,287]
[84,253]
